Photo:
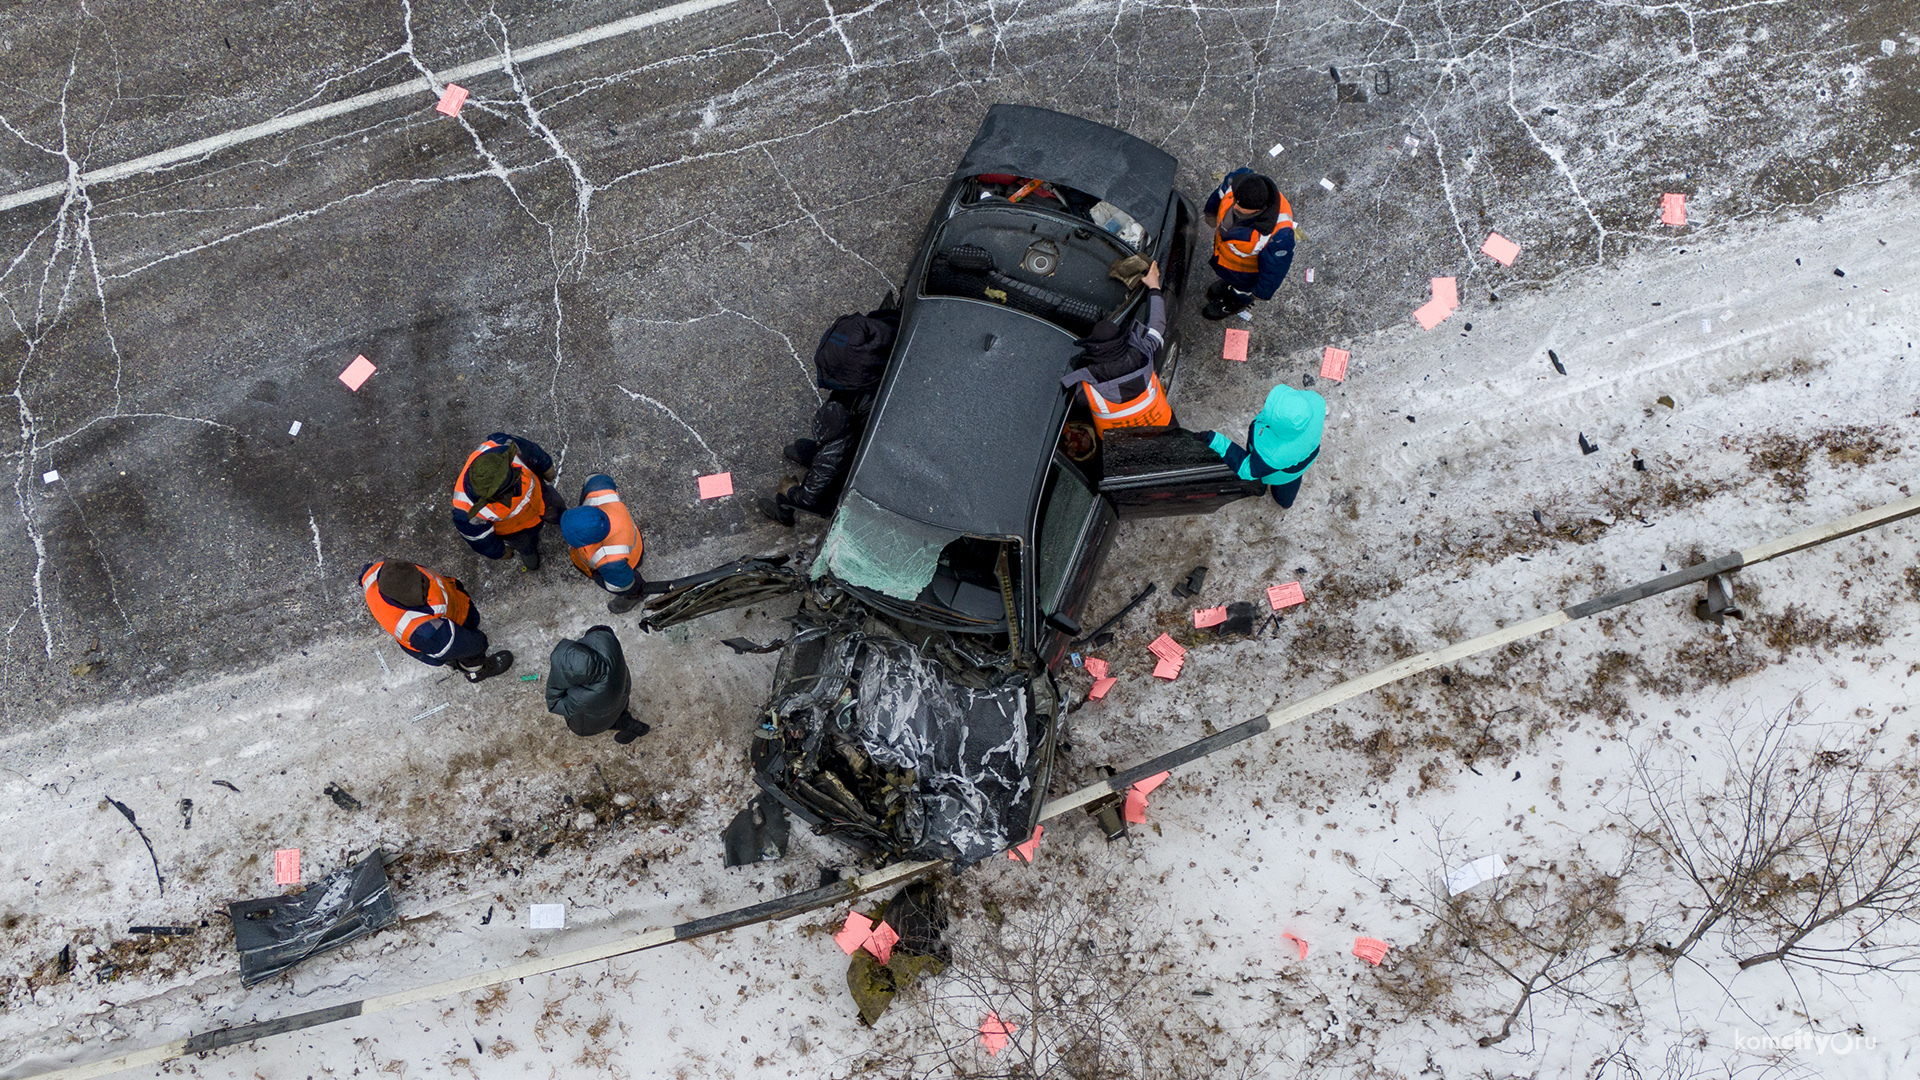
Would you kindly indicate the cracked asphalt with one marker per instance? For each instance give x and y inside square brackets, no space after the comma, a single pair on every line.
[627,250]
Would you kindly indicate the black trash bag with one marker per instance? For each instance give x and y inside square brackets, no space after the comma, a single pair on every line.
[852,354]
[758,833]
[276,933]
[1240,618]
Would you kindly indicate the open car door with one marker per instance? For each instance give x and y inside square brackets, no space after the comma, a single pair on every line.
[1162,471]
[737,584]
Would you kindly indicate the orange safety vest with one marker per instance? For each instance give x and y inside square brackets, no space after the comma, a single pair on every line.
[1148,408]
[520,515]
[446,600]
[1243,256]
[622,540]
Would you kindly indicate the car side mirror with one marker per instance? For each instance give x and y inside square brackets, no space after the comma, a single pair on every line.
[1064,623]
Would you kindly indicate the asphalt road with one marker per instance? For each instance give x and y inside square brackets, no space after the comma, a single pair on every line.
[626,251]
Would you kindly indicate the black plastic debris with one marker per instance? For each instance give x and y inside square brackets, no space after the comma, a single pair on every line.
[741,646]
[488,917]
[1537,519]
[186,813]
[1639,465]
[63,963]
[1557,365]
[127,812]
[757,834]
[276,933]
[1587,447]
[1837,272]
[1100,632]
[340,797]
[1240,617]
[163,931]
[1196,578]
[227,785]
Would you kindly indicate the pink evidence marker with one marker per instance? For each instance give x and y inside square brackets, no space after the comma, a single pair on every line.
[451,99]
[1285,596]
[358,372]
[1309,275]
[1372,950]
[854,934]
[286,866]
[1024,852]
[881,942]
[1168,669]
[1205,617]
[1096,667]
[1673,209]
[1135,809]
[716,486]
[1298,941]
[1333,364]
[1100,687]
[994,1033]
[1236,346]
[1500,249]
[1166,648]
[1431,314]
[1446,291]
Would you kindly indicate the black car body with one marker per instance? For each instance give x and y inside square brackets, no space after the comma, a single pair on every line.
[914,712]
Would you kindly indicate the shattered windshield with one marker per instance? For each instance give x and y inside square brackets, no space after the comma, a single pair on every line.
[874,548]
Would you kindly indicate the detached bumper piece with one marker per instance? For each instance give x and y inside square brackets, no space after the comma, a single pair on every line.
[276,933]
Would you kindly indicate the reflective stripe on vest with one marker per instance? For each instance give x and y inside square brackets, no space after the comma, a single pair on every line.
[622,541]
[1148,408]
[523,514]
[442,598]
[1243,256]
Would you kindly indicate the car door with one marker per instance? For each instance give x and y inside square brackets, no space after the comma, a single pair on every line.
[1071,536]
[1163,471]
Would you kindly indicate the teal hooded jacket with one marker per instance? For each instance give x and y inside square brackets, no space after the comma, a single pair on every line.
[1282,441]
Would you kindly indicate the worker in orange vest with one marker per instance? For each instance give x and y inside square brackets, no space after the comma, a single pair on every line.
[604,543]
[1115,367]
[503,495]
[432,618]
[1252,242]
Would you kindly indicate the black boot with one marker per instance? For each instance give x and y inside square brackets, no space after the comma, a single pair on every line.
[774,510]
[626,729]
[625,602]
[496,664]
[1231,304]
[800,452]
[529,559]
[1217,290]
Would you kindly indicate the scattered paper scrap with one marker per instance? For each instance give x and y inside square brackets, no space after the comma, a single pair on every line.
[1372,950]
[1446,291]
[1096,667]
[994,1033]
[1100,687]
[1326,183]
[854,934]
[295,429]
[1274,150]
[716,485]
[1298,941]
[1412,144]
[1167,669]
[1333,364]
[1245,315]
[358,372]
[1285,596]
[881,942]
[1236,345]
[1500,249]
[1205,617]
[286,866]
[1485,868]
[1166,648]
[546,916]
[1135,809]
[1673,209]
[50,476]
[1706,326]
[1309,275]
[451,99]
[1024,852]
[1431,314]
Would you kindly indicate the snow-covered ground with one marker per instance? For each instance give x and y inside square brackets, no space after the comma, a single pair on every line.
[1763,391]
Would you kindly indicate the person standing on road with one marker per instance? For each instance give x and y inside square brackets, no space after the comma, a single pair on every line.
[588,685]
[1252,242]
[432,618]
[604,543]
[1281,442]
[1116,367]
[503,495]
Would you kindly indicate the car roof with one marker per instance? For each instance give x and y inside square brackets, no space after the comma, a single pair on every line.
[1104,162]
[964,429]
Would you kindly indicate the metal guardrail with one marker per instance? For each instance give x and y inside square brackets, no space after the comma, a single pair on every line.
[829,895]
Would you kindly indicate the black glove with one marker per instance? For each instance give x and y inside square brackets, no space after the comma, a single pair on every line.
[1204,438]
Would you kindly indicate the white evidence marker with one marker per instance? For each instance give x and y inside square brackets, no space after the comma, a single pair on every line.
[1706,326]
[1246,316]
[546,916]
[1274,150]
[1309,275]
[50,476]
[295,429]
[1326,183]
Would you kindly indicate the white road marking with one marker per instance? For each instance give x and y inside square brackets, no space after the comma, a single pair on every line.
[422,85]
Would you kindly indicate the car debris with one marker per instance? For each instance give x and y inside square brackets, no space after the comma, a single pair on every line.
[340,797]
[742,646]
[127,812]
[757,834]
[275,933]
[226,784]
[1196,578]
[163,931]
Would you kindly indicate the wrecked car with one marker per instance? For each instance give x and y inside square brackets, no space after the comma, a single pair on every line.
[914,712]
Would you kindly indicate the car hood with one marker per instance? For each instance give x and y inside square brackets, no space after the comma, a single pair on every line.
[1133,175]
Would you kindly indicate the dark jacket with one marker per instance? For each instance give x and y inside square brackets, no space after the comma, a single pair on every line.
[587,682]
[835,431]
